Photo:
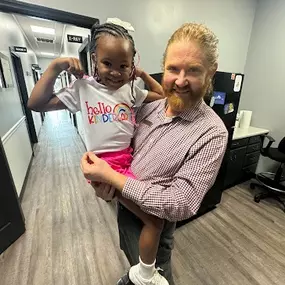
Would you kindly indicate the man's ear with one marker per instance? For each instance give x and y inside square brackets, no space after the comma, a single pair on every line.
[213,70]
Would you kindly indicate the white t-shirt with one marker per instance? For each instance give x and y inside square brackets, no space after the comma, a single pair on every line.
[107,115]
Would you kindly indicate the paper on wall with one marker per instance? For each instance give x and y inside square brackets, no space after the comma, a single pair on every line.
[238,81]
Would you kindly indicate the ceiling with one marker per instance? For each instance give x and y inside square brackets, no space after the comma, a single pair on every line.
[40,42]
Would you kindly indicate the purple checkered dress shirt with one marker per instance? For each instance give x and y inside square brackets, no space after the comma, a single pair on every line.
[176,159]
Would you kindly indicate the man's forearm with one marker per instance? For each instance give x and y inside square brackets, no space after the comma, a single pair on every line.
[117,180]
[152,200]
[169,203]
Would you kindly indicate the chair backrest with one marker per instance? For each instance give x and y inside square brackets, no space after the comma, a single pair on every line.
[281,146]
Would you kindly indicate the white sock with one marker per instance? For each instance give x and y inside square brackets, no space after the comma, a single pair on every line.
[146,270]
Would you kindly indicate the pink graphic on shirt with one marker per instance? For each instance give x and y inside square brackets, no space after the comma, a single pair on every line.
[103,113]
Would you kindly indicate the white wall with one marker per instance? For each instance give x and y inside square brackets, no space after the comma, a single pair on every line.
[44,62]
[71,49]
[10,106]
[263,90]
[155,21]
[13,130]
[18,151]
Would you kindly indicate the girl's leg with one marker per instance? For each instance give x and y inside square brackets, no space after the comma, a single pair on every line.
[145,272]
[150,234]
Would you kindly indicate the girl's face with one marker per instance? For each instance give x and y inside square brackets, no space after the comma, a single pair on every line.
[114,58]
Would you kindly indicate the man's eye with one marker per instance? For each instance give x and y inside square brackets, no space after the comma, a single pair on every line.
[172,68]
[194,69]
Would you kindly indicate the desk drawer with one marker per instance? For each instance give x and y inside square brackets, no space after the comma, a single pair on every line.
[239,143]
[255,139]
[234,166]
[251,158]
[253,147]
[250,170]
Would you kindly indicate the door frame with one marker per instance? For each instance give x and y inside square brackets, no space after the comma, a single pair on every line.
[27,9]
[36,79]
[22,90]
[85,56]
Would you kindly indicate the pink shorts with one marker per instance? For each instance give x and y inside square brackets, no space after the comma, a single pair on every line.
[120,160]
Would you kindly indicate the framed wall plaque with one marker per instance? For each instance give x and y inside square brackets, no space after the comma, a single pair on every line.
[6,80]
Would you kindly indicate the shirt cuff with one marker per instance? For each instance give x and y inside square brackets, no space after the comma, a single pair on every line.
[67,103]
[133,190]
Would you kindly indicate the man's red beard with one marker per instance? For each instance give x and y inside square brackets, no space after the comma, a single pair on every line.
[184,101]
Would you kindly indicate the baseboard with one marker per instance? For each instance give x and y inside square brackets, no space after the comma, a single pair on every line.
[26,179]
[82,140]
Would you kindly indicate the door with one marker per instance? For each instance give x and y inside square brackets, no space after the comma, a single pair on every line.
[12,224]
[36,78]
[85,56]
[21,84]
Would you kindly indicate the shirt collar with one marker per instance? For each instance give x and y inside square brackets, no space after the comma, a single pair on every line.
[188,115]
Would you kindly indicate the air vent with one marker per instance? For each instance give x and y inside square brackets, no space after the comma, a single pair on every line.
[43,40]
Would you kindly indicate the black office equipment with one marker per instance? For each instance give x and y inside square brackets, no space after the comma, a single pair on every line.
[272,183]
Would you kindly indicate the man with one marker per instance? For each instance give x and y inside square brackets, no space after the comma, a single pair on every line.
[179,145]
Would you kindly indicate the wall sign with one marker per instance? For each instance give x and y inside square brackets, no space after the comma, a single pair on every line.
[35,66]
[74,39]
[20,49]
[6,80]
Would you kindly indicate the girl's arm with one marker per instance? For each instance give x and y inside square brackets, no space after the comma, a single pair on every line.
[155,89]
[42,98]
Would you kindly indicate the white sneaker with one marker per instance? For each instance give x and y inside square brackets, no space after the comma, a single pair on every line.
[136,278]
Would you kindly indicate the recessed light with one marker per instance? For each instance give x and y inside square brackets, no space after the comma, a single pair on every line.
[41,19]
[43,30]
[47,53]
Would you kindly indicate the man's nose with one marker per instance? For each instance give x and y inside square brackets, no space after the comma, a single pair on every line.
[181,80]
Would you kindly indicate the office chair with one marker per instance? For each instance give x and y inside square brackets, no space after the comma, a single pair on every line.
[272,183]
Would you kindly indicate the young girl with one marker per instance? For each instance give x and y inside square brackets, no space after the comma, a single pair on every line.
[106,101]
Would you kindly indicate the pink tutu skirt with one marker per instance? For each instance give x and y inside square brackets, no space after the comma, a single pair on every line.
[120,160]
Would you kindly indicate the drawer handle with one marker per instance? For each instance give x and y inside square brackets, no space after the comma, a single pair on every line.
[233,157]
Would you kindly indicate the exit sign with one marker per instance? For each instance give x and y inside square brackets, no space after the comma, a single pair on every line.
[74,39]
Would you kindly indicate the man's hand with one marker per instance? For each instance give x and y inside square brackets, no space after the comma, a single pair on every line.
[94,168]
[103,190]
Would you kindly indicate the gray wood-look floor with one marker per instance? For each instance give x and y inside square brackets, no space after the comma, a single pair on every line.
[72,237]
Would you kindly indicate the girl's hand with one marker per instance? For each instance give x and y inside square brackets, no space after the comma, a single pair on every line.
[139,72]
[70,64]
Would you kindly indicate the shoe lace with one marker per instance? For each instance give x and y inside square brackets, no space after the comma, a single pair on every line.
[156,277]
[159,269]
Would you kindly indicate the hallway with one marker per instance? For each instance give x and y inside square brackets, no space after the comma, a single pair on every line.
[72,237]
